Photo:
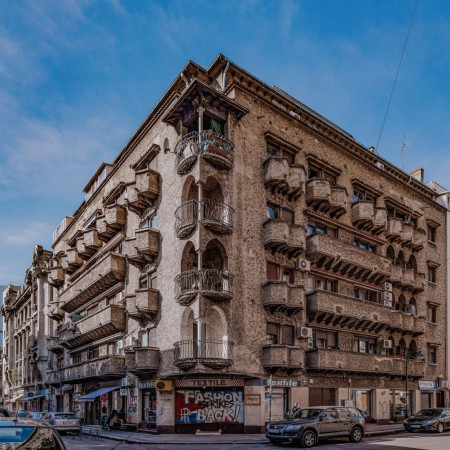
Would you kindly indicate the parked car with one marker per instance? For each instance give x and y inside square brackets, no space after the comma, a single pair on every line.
[63,421]
[4,412]
[28,434]
[30,415]
[307,425]
[434,419]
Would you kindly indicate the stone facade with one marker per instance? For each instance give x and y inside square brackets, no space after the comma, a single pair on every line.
[238,238]
[27,328]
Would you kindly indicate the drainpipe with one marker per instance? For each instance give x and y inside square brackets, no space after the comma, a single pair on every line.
[224,76]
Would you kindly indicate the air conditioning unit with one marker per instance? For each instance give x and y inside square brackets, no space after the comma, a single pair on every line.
[387,286]
[387,303]
[77,388]
[304,332]
[443,384]
[164,385]
[303,265]
[387,343]
[379,165]
[386,296]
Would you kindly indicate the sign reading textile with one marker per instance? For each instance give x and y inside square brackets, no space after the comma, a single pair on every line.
[210,406]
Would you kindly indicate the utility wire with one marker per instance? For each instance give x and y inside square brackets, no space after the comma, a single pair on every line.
[396,75]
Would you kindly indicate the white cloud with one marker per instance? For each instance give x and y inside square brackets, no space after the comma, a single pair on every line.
[30,234]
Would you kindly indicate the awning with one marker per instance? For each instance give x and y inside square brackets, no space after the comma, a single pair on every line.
[34,397]
[66,387]
[93,395]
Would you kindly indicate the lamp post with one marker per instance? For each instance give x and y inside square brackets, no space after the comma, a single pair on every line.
[409,356]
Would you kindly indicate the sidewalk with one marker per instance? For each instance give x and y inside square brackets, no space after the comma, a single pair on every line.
[242,439]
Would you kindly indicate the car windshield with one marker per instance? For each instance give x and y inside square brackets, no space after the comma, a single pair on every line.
[307,413]
[15,434]
[429,412]
[65,416]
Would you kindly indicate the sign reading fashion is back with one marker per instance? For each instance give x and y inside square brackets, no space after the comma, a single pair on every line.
[210,406]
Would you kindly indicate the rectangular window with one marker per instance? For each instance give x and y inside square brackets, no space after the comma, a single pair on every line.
[277,212]
[432,274]
[432,355]
[325,339]
[272,271]
[276,151]
[317,228]
[76,358]
[271,333]
[431,234]
[287,335]
[118,347]
[93,353]
[431,313]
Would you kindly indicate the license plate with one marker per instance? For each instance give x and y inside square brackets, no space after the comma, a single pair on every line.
[275,432]
[415,426]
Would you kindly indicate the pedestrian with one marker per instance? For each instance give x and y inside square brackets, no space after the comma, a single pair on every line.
[104,418]
[296,407]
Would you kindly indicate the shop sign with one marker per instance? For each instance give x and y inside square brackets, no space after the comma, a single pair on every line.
[252,399]
[282,383]
[123,392]
[428,385]
[210,382]
[209,406]
[146,384]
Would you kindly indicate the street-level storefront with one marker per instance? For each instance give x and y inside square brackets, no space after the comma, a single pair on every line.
[148,401]
[94,401]
[427,393]
[278,398]
[209,405]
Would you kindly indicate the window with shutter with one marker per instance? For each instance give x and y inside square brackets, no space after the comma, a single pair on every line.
[272,271]
[287,335]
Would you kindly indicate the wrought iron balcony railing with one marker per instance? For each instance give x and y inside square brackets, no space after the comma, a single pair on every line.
[210,352]
[216,216]
[186,217]
[187,152]
[217,149]
[211,283]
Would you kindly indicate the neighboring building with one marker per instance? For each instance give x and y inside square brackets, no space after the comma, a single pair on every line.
[241,236]
[26,325]
[444,200]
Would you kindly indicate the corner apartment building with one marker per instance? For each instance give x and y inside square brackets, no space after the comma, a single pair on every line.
[238,238]
[26,325]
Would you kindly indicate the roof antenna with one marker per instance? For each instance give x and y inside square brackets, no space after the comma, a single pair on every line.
[404,147]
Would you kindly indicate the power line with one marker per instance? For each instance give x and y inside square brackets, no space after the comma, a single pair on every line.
[396,75]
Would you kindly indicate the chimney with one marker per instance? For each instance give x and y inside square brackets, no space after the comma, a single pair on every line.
[418,174]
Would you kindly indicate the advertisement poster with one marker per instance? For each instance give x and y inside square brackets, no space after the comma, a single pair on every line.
[210,406]
[132,405]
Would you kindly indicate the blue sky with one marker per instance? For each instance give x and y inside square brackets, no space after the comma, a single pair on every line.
[77,77]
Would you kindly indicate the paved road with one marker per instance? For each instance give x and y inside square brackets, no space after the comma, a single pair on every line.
[419,441]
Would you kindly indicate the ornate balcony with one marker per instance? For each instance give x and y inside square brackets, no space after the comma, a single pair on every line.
[186,217]
[363,214]
[144,192]
[211,283]
[282,178]
[394,228]
[104,323]
[419,240]
[112,221]
[406,235]
[105,273]
[104,368]
[187,150]
[325,307]
[144,304]
[416,369]
[217,217]
[56,313]
[283,237]
[217,149]
[380,220]
[141,360]
[72,260]
[332,254]
[407,279]
[335,361]
[281,296]
[56,276]
[338,201]
[318,193]
[144,247]
[212,353]
[283,357]
[89,243]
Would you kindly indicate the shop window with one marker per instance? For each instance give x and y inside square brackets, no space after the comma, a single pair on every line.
[149,281]
[364,245]
[363,344]
[366,294]
[277,212]
[319,172]
[432,274]
[431,234]
[275,272]
[432,359]
[324,339]
[276,151]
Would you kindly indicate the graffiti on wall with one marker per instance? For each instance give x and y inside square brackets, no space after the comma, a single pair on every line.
[132,403]
[210,406]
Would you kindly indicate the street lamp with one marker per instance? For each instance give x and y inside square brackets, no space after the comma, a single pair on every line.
[414,357]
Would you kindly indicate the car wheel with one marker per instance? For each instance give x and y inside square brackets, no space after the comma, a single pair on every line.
[440,427]
[356,435]
[308,439]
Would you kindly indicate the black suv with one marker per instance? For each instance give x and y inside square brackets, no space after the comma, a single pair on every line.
[307,425]
[434,419]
